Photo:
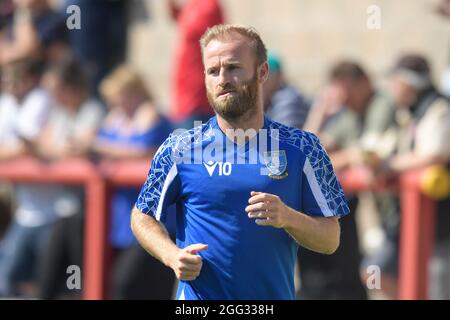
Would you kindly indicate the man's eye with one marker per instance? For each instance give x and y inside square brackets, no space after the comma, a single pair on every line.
[212,72]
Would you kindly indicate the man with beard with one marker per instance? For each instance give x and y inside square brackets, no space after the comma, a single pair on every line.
[248,190]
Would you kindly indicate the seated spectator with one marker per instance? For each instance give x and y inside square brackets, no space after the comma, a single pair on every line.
[69,133]
[133,129]
[6,13]
[443,8]
[358,110]
[37,31]
[24,109]
[74,123]
[367,113]
[282,102]
[420,137]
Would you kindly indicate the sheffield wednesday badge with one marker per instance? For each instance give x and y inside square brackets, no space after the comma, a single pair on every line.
[276,164]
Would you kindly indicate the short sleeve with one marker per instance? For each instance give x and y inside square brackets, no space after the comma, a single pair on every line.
[162,187]
[341,130]
[91,117]
[33,115]
[322,194]
[380,115]
[433,131]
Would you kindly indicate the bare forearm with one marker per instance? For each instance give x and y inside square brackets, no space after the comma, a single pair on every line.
[315,233]
[153,237]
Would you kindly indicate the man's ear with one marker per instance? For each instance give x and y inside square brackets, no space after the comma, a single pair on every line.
[263,73]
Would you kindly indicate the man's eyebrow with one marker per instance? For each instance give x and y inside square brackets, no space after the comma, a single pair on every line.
[226,64]
[232,63]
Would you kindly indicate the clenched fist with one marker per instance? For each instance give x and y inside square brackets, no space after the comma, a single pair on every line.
[187,264]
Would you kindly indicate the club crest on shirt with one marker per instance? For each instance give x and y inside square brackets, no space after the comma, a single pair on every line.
[276,163]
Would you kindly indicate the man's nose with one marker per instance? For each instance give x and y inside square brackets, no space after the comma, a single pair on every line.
[224,77]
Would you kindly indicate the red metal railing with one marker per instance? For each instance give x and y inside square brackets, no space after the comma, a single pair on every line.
[417,227]
[416,230]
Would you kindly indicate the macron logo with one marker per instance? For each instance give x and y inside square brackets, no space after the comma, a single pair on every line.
[224,168]
[210,167]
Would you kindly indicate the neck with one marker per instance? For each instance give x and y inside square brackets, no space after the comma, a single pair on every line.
[252,120]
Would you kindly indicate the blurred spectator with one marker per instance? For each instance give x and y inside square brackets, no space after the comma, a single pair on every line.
[366,114]
[69,133]
[5,207]
[133,129]
[446,82]
[6,13]
[36,31]
[24,108]
[100,44]
[420,137]
[189,101]
[283,103]
[444,10]
[443,7]
[74,123]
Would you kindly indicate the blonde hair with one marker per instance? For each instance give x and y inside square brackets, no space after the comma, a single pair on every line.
[250,33]
[121,79]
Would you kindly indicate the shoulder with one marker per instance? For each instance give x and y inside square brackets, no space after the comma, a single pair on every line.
[441,104]
[438,112]
[37,96]
[7,102]
[180,142]
[381,103]
[381,97]
[93,110]
[92,105]
[304,141]
[36,104]
[342,123]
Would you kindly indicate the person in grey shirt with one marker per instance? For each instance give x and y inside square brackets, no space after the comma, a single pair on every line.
[282,102]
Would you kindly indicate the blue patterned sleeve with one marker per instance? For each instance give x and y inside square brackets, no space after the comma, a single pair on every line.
[322,194]
[162,187]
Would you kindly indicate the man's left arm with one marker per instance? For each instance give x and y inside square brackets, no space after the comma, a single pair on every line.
[320,234]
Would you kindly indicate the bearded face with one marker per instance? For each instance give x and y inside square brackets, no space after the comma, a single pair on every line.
[234,101]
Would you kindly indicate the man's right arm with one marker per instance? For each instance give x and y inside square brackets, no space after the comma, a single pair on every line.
[155,239]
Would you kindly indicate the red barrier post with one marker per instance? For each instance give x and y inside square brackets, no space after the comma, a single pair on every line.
[95,240]
[74,172]
[416,238]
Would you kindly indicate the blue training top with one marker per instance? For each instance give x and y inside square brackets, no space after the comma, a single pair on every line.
[210,179]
